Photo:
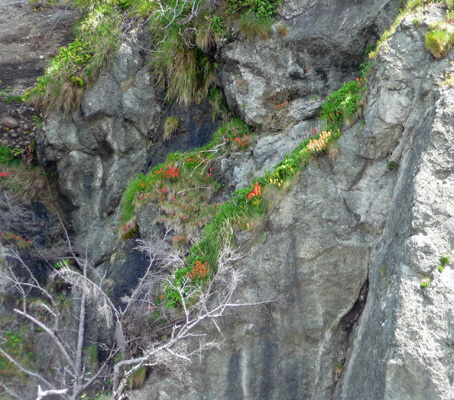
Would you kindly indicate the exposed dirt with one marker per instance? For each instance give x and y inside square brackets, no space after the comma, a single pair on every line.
[29,36]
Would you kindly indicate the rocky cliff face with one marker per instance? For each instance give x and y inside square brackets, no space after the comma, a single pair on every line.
[322,47]
[347,250]
[118,131]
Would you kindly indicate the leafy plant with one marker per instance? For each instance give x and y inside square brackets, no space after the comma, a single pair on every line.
[38,121]
[425,282]
[444,260]
[5,154]
[261,8]
[218,25]
[12,99]
[392,165]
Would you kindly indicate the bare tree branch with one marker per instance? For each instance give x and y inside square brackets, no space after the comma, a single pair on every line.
[42,394]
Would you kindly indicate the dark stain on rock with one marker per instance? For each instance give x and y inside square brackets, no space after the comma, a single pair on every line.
[234,390]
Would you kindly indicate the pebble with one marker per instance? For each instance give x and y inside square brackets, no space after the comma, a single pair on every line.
[9,122]
[5,142]
[27,127]
[14,135]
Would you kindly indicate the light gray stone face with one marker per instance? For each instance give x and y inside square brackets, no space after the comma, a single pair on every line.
[403,347]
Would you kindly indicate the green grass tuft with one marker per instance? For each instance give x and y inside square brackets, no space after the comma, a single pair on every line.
[185,71]
[342,105]
[254,27]
[77,66]
[438,42]
[171,124]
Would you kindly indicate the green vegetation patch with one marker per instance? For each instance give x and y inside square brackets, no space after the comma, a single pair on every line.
[342,105]
[182,187]
[78,65]
[439,41]
[183,37]
[19,346]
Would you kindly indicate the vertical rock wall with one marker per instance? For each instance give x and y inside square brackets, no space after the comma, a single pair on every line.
[352,233]
[403,346]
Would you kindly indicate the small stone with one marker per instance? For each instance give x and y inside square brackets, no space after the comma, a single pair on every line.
[27,127]
[5,142]
[9,122]
[14,135]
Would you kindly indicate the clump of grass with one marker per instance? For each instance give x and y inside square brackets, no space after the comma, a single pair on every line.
[185,71]
[282,29]
[439,41]
[205,37]
[342,105]
[24,183]
[171,125]
[254,27]
[77,66]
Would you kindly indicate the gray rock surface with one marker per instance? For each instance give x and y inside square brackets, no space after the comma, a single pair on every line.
[97,150]
[352,233]
[323,48]
[403,346]
[116,134]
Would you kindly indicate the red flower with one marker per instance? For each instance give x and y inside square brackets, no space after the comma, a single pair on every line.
[256,191]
